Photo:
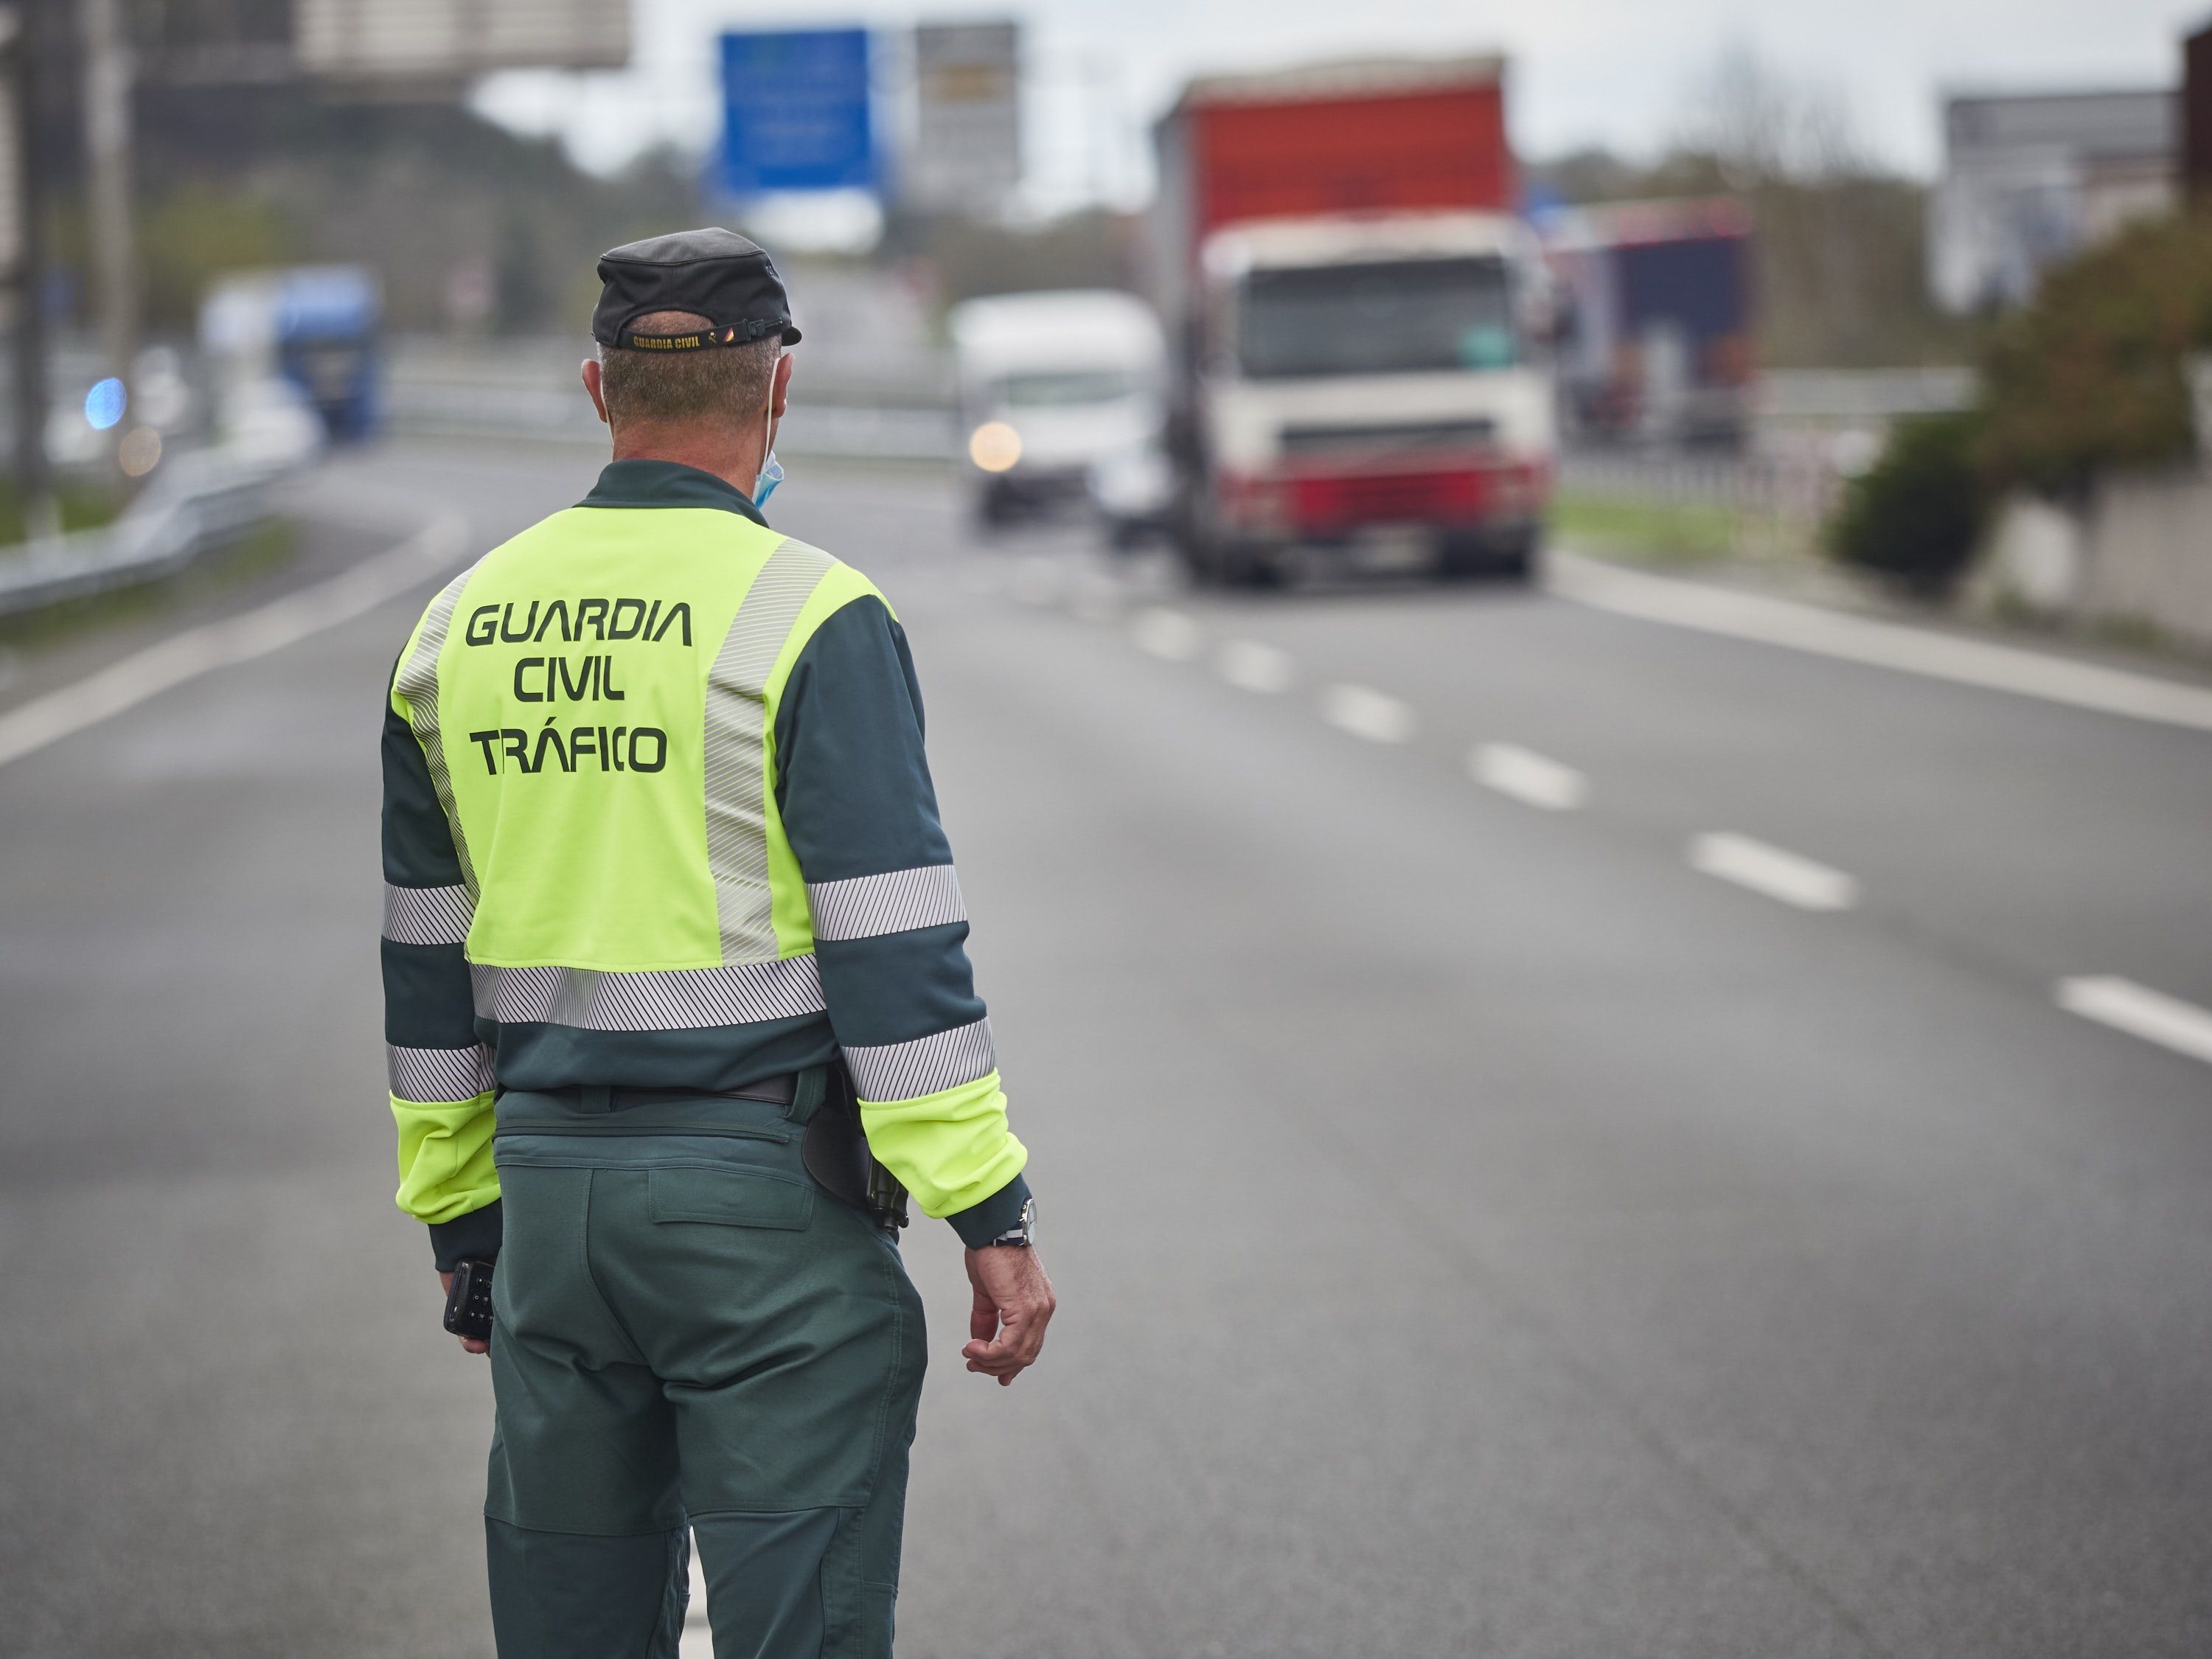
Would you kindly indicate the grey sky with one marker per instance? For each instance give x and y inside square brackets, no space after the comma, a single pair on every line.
[1619,72]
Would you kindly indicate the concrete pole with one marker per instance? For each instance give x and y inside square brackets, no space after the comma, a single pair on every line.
[107,77]
[34,480]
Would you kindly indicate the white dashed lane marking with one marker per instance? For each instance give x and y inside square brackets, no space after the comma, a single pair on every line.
[2140,1012]
[1251,666]
[1532,779]
[1538,780]
[698,1639]
[1366,713]
[1770,870]
[1167,634]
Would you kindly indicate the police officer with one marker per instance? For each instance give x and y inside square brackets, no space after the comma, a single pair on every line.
[679,1012]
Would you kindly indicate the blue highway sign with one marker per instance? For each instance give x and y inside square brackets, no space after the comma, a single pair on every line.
[795,111]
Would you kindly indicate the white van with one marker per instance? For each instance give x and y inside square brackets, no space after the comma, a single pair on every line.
[1052,386]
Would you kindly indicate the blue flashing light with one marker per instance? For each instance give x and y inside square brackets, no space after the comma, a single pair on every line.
[104,403]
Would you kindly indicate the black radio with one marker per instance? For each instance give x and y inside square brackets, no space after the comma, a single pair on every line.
[468,1303]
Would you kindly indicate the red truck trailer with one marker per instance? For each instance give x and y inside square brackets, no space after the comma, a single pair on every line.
[1357,315]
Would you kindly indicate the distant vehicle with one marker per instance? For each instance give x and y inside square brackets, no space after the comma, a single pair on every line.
[1359,322]
[270,421]
[1052,385]
[1656,337]
[313,325]
[1134,494]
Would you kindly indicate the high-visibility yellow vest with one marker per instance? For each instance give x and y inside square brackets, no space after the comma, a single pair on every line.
[601,868]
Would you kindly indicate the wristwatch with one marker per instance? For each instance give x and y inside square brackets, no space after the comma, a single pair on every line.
[1025,1235]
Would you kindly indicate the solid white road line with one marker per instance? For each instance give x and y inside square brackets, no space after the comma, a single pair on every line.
[1769,870]
[1251,666]
[1167,634]
[2140,1012]
[186,656]
[1884,644]
[1366,713]
[1534,779]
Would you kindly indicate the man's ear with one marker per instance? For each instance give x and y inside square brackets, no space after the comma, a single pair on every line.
[779,387]
[593,386]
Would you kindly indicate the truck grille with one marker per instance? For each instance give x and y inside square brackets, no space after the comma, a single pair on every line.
[1368,439]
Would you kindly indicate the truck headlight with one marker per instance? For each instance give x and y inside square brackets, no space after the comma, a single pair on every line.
[994,446]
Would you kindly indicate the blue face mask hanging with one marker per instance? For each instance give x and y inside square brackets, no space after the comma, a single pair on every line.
[771,472]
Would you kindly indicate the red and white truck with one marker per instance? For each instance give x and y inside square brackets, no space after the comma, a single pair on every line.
[1357,320]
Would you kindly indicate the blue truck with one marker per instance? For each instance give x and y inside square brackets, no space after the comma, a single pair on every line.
[315,326]
[1656,344]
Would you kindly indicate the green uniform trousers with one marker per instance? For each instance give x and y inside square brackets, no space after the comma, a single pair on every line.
[689,1332]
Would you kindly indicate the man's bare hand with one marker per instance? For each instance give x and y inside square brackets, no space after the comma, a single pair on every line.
[472,1344]
[1013,1304]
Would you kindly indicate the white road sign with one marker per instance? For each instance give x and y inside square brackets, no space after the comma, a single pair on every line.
[968,117]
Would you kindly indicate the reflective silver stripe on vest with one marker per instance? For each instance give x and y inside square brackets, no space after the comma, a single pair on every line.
[417,682]
[898,901]
[431,1077]
[656,999]
[427,916]
[735,745]
[906,1070]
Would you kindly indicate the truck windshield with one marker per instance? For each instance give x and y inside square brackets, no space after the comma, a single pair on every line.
[1065,388]
[1411,316]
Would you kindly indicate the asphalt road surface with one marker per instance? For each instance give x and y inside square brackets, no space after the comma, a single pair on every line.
[1558,1134]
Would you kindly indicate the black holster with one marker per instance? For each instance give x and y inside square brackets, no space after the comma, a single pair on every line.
[835,1149]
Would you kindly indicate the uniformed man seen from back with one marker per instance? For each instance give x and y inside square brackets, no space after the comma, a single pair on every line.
[679,1014]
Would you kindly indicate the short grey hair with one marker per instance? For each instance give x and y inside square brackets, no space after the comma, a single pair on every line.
[717,383]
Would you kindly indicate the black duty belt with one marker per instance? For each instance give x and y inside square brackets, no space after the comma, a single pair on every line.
[620,1097]
[835,1147]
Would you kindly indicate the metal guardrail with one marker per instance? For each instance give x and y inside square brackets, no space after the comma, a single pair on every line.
[420,406]
[1862,396]
[199,501]
[871,386]
[1802,482]
[1777,500]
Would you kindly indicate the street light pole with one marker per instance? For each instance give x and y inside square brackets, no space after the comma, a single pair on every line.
[107,77]
[34,480]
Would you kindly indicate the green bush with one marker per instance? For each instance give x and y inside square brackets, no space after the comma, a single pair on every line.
[1914,515]
[2089,376]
